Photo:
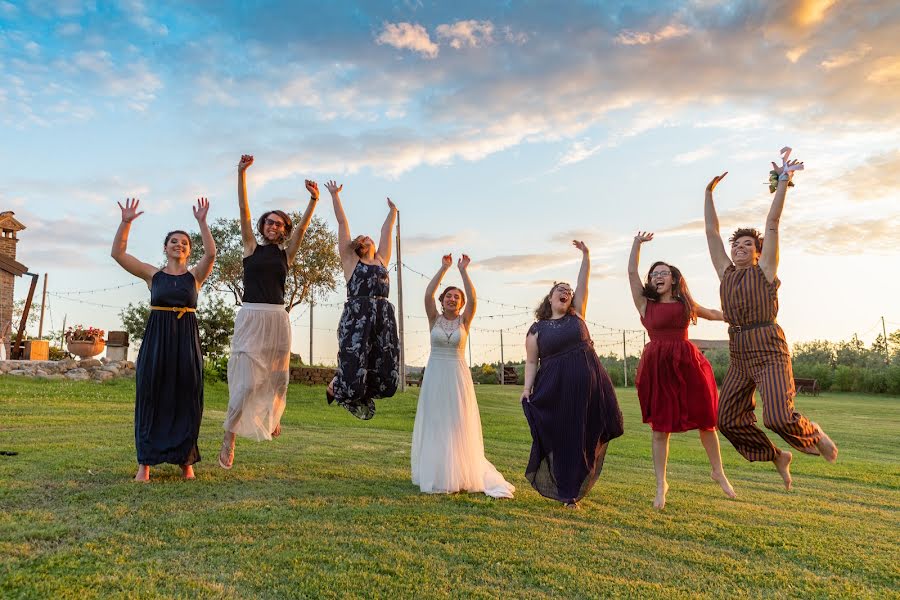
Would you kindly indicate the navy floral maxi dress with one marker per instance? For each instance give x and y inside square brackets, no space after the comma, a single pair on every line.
[368,344]
[169,376]
[573,412]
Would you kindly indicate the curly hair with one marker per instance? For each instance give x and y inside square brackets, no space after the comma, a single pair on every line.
[680,291]
[285,233]
[544,310]
[747,232]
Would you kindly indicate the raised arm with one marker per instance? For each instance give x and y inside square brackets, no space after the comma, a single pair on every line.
[247,235]
[708,313]
[471,297]
[120,243]
[384,244]
[531,364]
[768,261]
[205,265]
[431,289]
[634,278]
[300,230]
[580,298]
[717,251]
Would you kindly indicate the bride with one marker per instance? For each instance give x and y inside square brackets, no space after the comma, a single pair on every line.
[447,448]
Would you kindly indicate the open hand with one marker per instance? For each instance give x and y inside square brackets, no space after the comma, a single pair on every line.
[246,161]
[313,188]
[789,166]
[391,205]
[643,236]
[447,260]
[201,209]
[463,262]
[333,187]
[715,181]
[130,210]
[581,246]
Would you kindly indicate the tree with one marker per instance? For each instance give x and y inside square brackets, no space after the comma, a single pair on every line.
[19,308]
[215,321]
[312,274]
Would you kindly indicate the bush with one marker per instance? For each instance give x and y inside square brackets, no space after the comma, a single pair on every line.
[215,369]
[823,373]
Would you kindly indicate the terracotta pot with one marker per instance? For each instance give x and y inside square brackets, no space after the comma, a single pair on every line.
[85,348]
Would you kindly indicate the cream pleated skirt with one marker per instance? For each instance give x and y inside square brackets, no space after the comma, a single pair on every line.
[258,370]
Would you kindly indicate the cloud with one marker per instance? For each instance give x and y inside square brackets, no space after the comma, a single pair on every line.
[877,235]
[526,262]
[886,70]
[809,12]
[878,177]
[137,14]
[68,29]
[407,36]
[642,38]
[846,58]
[467,34]
[417,244]
[693,156]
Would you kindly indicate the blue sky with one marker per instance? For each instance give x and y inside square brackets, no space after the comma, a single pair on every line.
[500,129]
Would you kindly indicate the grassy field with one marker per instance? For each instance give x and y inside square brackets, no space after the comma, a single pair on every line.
[328,510]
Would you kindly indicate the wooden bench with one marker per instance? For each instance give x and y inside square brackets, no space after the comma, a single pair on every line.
[807,386]
[510,377]
[415,378]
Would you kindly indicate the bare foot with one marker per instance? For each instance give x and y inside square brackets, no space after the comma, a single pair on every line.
[187,471]
[572,505]
[329,391]
[143,474]
[660,501]
[783,465]
[277,431]
[226,453]
[723,483]
[826,447]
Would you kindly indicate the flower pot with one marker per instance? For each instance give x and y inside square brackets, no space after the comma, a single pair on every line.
[85,348]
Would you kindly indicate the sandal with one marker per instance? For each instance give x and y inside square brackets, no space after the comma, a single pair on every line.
[227,452]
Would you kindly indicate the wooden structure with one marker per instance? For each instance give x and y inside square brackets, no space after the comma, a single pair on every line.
[706,345]
[510,376]
[807,386]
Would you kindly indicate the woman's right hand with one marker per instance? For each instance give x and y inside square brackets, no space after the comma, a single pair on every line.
[446,261]
[715,181]
[333,187]
[246,161]
[526,396]
[643,236]
[130,210]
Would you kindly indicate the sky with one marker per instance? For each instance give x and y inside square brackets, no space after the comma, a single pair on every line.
[500,129]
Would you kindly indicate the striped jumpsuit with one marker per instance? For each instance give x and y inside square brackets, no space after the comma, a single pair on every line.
[759,359]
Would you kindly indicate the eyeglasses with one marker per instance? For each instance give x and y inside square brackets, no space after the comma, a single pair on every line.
[563,289]
[659,274]
[274,223]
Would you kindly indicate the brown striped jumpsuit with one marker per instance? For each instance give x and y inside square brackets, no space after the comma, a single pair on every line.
[759,359]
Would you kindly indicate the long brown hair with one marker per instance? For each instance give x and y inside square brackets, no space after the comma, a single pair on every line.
[285,232]
[544,310]
[680,291]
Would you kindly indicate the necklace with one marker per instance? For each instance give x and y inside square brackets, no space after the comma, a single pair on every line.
[454,325]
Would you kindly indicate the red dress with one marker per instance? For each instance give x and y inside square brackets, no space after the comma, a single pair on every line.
[675,382]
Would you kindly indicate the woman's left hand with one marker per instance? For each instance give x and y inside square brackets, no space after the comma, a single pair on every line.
[463,262]
[313,188]
[201,209]
[791,166]
[391,205]
[581,246]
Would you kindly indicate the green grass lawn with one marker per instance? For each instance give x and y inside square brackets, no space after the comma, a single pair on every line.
[328,510]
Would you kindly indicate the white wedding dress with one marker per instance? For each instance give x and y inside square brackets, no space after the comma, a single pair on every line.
[447,447]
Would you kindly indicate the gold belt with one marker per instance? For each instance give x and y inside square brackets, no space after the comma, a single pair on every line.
[175,309]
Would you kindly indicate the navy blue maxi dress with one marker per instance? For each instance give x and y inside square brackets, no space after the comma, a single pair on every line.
[573,412]
[169,377]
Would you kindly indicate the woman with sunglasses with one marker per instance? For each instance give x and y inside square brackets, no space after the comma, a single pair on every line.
[675,383]
[259,365]
[568,399]
[368,344]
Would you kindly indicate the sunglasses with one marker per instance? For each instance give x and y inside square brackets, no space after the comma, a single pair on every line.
[274,223]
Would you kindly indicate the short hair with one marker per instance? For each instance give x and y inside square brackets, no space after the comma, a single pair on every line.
[288,225]
[747,232]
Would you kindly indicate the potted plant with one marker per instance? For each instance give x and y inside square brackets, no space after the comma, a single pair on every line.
[85,342]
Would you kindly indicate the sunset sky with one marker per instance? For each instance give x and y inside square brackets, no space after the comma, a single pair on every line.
[501,129]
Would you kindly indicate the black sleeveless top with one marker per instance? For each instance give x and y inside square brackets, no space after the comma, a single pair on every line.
[265,272]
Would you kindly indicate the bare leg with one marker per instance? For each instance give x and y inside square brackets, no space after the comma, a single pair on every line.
[187,471]
[710,441]
[783,465]
[329,391]
[143,474]
[660,460]
[226,453]
[826,447]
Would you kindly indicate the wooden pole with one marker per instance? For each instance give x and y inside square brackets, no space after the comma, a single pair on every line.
[311,304]
[62,335]
[470,351]
[502,362]
[887,353]
[400,309]
[16,351]
[43,307]
[624,358]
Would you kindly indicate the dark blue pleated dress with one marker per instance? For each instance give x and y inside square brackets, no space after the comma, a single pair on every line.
[169,378]
[573,412]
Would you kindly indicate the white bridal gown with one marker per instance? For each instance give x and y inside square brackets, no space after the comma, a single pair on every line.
[447,447]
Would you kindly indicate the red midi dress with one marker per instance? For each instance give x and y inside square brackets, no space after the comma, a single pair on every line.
[675,382]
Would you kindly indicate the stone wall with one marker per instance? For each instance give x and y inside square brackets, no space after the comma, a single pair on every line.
[69,369]
[311,375]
